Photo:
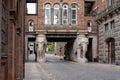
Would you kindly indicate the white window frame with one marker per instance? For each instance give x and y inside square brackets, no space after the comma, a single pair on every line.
[72,14]
[31,26]
[89,26]
[48,20]
[56,8]
[63,14]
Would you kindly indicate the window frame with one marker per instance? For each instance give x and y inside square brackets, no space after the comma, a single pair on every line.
[89,26]
[63,9]
[106,27]
[112,24]
[49,10]
[58,14]
[75,14]
[31,27]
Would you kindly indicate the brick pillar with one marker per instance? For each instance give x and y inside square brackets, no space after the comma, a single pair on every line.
[11,51]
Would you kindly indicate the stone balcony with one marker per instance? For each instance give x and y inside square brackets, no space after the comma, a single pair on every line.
[108,12]
[63,29]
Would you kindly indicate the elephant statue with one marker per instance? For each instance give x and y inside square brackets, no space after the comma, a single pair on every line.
[80,48]
[41,47]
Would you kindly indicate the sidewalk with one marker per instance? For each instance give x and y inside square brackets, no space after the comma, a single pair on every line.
[34,71]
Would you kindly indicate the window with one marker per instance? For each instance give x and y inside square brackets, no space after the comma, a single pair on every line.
[106,27]
[74,14]
[112,24]
[88,8]
[89,25]
[47,14]
[65,14]
[110,2]
[31,26]
[56,14]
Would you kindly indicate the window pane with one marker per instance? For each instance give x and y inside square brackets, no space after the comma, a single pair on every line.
[64,21]
[73,21]
[106,27]
[65,14]
[73,14]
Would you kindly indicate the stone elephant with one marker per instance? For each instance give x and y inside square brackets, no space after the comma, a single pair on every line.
[41,47]
[80,48]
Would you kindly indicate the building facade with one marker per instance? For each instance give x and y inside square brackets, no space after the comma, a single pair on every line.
[62,21]
[108,19]
[11,39]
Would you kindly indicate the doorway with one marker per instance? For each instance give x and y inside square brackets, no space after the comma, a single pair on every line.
[111,50]
[89,54]
[31,49]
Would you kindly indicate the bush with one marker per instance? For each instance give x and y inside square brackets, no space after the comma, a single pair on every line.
[51,47]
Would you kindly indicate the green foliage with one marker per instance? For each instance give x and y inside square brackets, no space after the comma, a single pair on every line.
[51,47]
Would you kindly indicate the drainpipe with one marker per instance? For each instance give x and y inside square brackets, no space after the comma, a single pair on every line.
[24,13]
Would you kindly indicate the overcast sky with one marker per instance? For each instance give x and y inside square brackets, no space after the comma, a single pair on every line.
[31,8]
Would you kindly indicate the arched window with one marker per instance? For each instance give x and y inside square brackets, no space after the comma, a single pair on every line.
[89,25]
[65,14]
[74,14]
[47,14]
[31,26]
[56,14]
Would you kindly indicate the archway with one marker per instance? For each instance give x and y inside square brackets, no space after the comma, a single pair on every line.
[110,42]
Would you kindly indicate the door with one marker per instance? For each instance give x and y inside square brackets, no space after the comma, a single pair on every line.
[111,51]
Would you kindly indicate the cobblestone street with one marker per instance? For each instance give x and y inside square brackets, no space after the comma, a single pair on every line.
[56,69]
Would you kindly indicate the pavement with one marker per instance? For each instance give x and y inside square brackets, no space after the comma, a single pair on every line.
[56,68]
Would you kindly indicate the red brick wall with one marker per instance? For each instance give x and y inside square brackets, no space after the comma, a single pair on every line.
[102,5]
[15,42]
[31,17]
[39,19]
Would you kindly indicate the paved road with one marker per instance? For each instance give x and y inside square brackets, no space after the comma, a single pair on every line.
[56,69]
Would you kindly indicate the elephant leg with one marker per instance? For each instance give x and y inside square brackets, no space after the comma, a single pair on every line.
[84,50]
[84,53]
[78,53]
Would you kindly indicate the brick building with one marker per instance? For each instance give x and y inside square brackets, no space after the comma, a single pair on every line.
[11,39]
[62,21]
[108,19]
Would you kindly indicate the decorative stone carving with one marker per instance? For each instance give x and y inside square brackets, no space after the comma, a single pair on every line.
[81,48]
[40,47]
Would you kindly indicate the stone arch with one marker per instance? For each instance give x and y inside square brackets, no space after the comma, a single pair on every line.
[47,3]
[110,50]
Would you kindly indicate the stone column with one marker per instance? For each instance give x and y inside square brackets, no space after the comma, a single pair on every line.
[40,47]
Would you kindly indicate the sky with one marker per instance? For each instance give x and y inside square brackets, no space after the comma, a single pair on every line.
[31,8]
